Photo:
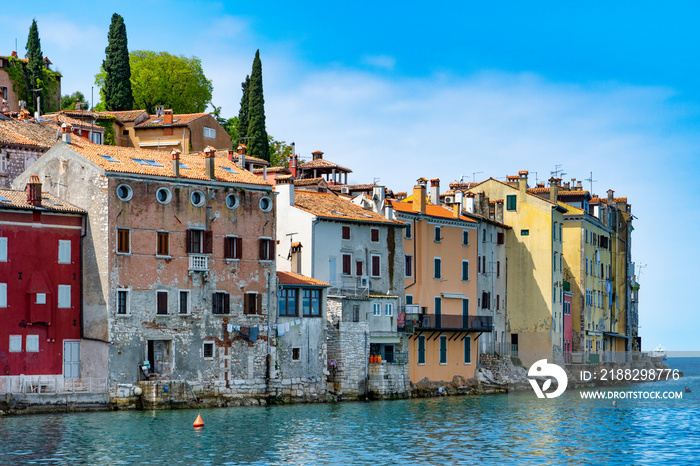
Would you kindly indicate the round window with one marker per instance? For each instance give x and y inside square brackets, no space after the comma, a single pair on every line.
[124,192]
[197,198]
[265,204]
[164,195]
[232,201]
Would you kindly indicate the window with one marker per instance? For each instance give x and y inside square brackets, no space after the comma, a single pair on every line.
[3,294]
[376,309]
[561,233]
[221,303]
[32,343]
[467,350]
[438,234]
[478,264]
[388,309]
[233,247]
[162,302]
[465,271]
[421,349]
[3,92]
[586,265]
[498,269]
[408,231]
[63,251]
[123,241]
[409,299]
[346,232]
[500,238]
[124,192]
[265,204]
[409,266]
[311,303]
[554,261]
[347,264]
[554,231]
[437,268]
[374,235]
[15,343]
[287,302]
[40,298]
[197,198]
[376,266]
[198,241]
[296,354]
[163,243]
[123,302]
[586,235]
[164,195]
[483,264]
[209,132]
[208,350]
[524,232]
[267,249]
[511,202]
[498,302]
[438,312]
[64,300]
[252,303]
[465,238]
[443,349]
[3,249]
[359,268]
[483,235]
[184,302]
[554,294]
[232,201]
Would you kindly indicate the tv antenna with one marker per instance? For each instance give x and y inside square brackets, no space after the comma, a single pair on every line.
[592,181]
[558,172]
[640,267]
[474,176]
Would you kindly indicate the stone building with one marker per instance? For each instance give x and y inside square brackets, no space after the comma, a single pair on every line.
[22,142]
[179,267]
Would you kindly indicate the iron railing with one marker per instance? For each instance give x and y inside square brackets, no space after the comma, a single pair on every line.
[415,322]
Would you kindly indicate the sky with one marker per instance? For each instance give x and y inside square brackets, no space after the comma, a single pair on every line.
[396,91]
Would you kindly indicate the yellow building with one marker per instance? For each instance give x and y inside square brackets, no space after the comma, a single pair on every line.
[441,287]
[534,263]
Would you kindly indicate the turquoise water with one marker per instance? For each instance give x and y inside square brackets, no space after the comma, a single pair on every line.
[488,429]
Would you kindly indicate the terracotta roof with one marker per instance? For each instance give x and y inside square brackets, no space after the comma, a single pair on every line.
[290,278]
[124,162]
[516,188]
[322,163]
[463,184]
[18,200]
[430,210]
[125,115]
[79,113]
[596,200]
[61,118]
[284,170]
[185,119]
[28,133]
[559,193]
[330,206]
[283,177]
[308,181]
[248,158]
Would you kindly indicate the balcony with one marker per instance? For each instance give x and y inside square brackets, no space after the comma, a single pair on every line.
[199,263]
[448,322]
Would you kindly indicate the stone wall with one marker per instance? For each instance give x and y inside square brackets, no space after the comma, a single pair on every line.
[348,356]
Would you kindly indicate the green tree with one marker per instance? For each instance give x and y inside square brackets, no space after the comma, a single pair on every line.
[116,91]
[279,153]
[158,78]
[68,101]
[229,124]
[242,124]
[258,144]
[35,66]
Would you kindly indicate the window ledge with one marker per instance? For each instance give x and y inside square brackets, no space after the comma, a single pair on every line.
[163,257]
[230,259]
[123,253]
[122,315]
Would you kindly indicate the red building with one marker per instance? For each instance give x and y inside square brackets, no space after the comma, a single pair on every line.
[40,287]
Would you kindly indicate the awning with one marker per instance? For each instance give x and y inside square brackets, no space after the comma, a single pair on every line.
[591,332]
[615,335]
[453,295]
[159,143]
[384,339]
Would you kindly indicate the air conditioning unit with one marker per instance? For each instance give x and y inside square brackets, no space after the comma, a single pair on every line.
[344,190]
[364,281]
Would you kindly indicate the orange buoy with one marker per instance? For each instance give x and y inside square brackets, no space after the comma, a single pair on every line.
[198,422]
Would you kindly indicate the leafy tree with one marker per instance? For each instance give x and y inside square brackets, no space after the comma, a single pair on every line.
[158,78]
[258,144]
[229,124]
[242,125]
[279,153]
[68,101]
[116,91]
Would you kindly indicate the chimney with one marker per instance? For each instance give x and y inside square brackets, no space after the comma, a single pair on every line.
[553,189]
[293,160]
[522,182]
[477,202]
[435,191]
[209,159]
[419,196]
[484,207]
[378,196]
[456,210]
[579,186]
[317,155]
[241,155]
[499,211]
[159,110]
[34,191]
[286,187]
[459,198]
[168,117]
[65,133]
[176,162]
[469,207]
[232,155]
[611,197]
[14,54]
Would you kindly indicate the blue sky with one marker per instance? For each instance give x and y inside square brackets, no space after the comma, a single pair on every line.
[446,89]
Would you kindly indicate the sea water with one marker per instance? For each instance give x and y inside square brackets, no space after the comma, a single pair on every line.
[498,429]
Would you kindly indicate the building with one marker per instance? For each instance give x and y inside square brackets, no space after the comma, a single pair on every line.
[41,344]
[9,100]
[534,261]
[82,123]
[22,142]
[359,252]
[319,167]
[179,268]
[444,323]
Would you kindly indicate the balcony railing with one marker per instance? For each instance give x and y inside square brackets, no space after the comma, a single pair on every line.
[448,322]
[199,263]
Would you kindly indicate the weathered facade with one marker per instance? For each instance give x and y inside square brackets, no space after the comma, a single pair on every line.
[22,142]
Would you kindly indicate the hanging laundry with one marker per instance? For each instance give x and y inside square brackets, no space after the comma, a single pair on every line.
[280,330]
[297,321]
[286,326]
[245,331]
[253,334]
[229,328]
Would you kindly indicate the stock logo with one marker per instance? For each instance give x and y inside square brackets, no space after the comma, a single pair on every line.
[542,368]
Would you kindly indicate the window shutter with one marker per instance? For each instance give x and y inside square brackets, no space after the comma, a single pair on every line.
[162,303]
[258,303]
[261,249]
[215,303]
[239,248]
[358,268]
[478,264]
[208,241]
[271,249]
[189,239]
[227,303]
[246,303]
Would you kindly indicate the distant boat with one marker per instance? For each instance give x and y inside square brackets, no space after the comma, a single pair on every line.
[659,352]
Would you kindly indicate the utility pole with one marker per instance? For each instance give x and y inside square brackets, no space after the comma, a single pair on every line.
[592,181]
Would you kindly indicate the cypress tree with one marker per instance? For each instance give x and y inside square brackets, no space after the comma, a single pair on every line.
[259,145]
[243,112]
[117,87]
[35,64]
